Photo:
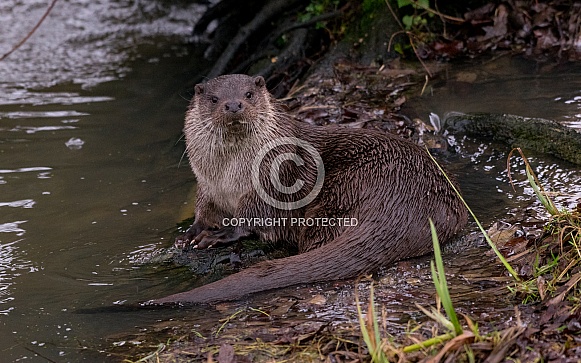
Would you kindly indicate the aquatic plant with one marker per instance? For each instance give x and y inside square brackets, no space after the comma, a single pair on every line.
[543,197]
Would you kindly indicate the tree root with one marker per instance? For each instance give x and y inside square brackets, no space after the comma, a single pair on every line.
[269,11]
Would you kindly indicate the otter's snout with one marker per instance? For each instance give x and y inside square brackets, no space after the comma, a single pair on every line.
[233,106]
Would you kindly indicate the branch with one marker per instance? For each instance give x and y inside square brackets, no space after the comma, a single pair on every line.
[31,32]
[312,21]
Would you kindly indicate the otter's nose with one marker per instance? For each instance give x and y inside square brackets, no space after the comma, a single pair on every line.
[233,106]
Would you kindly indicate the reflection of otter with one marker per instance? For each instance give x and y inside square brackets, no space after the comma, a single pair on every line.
[385,185]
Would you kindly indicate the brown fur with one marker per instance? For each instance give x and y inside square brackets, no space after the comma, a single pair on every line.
[389,184]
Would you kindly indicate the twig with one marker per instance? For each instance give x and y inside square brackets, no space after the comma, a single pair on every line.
[409,35]
[417,55]
[40,355]
[394,15]
[31,32]
[393,36]
[312,21]
[442,16]
[425,85]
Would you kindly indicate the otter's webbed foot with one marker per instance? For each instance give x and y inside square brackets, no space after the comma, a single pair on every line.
[221,237]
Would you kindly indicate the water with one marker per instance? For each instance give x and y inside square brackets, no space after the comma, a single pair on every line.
[516,86]
[91,110]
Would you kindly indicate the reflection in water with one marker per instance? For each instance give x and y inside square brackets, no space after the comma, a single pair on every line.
[33,130]
[12,227]
[92,97]
[573,121]
[515,86]
[26,203]
[482,169]
[32,114]
[561,182]
[23,97]
[24,170]
[507,85]
[12,265]
[85,42]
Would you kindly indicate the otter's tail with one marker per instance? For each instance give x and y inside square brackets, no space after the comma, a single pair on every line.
[340,259]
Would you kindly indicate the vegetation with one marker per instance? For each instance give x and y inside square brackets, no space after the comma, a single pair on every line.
[556,256]
[553,286]
[555,278]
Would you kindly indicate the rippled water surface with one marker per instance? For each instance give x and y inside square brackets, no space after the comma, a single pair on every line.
[91,111]
[515,86]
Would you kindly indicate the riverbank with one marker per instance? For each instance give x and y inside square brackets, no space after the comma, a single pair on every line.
[319,323]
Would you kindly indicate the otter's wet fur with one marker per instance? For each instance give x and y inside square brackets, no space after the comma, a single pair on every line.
[388,185]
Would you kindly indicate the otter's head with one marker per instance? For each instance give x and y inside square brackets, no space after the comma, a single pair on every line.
[231,105]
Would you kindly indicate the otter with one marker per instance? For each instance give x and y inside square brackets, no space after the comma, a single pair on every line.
[349,200]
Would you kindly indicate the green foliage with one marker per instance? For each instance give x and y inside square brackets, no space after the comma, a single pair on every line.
[557,254]
[369,325]
[370,6]
[413,21]
[316,8]
[401,48]
[418,19]
[534,182]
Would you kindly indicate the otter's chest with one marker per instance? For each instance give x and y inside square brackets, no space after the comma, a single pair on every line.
[225,182]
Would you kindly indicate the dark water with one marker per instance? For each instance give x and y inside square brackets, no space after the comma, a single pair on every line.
[91,111]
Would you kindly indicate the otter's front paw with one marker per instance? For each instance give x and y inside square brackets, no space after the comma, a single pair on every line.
[185,240]
[222,237]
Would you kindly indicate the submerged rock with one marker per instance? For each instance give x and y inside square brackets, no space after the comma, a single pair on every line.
[537,134]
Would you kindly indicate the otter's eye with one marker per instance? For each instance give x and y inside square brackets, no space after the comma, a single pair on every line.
[248,95]
[214,99]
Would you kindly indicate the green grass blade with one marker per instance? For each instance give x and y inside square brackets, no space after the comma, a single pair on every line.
[546,202]
[429,342]
[373,344]
[488,240]
[378,351]
[439,277]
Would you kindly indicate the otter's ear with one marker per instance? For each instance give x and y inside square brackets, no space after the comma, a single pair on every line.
[199,88]
[259,81]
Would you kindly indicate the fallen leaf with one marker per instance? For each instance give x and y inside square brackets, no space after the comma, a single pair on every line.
[226,354]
